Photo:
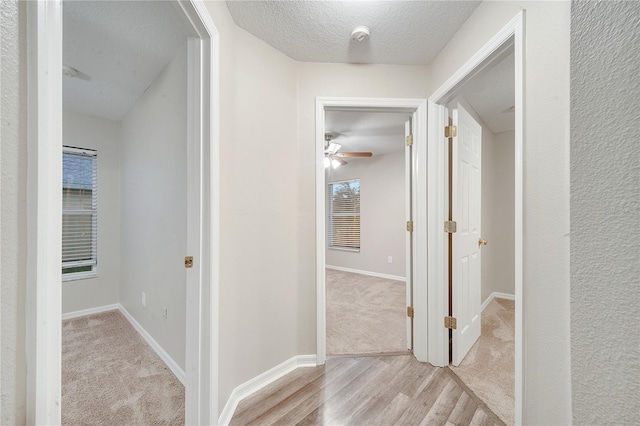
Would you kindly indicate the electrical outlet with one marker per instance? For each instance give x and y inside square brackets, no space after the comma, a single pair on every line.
[389,259]
[164,313]
[144,299]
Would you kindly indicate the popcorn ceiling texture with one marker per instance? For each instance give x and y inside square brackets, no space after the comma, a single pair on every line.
[13,223]
[319,31]
[605,212]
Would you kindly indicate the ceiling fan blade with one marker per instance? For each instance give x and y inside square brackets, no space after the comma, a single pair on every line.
[340,161]
[333,148]
[354,154]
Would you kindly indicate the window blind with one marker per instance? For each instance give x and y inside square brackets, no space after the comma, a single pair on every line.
[79,210]
[344,215]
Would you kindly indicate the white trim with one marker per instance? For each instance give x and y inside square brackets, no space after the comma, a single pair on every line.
[246,389]
[513,34]
[44,211]
[90,311]
[497,295]
[369,273]
[164,356]
[417,107]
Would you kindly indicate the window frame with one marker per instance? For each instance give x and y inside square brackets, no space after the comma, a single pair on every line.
[330,216]
[93,212]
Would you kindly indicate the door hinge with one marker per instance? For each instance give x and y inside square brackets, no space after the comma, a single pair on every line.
[450,131]
[410,225]
[450,226]
[450,322]
[410,311]
[188,261]
[409,140]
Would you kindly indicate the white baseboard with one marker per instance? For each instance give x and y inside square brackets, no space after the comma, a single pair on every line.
[90,311]
[164,356]
[371,274]
[498,295]
[258,382]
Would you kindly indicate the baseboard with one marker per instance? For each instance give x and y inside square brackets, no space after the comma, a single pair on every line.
[497,295]
[258,382]
[371,274]
[90,311]
[164,356]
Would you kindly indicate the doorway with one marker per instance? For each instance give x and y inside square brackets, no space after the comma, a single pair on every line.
[414,111]
[368,246]
[44,26]
[509,41]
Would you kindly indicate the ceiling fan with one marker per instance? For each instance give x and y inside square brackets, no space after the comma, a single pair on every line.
[334,158]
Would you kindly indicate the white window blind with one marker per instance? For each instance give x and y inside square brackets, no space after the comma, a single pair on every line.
[344,215]
[79,211]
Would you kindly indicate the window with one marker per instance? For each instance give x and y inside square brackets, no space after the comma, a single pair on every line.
[79,213]
[344,215]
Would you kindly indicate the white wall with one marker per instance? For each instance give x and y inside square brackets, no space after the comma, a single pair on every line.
[259,256]
[498,217]
[13,224]
[85,131]
[605,212]
[547,384]
[382,213]
[154,207]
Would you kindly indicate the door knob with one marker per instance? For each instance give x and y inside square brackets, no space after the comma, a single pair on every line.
[482,242]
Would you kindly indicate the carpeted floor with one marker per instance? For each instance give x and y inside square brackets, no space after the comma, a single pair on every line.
[488,368]
[110,376]
[365,314]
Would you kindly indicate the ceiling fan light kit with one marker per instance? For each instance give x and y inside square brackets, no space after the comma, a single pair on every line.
[333,158]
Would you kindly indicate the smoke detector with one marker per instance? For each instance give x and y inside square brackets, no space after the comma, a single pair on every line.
[360,33]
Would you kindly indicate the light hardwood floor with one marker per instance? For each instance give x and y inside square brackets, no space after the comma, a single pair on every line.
[367,390]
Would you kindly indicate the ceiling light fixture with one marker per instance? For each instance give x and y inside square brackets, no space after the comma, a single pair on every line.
[360,33]
[335,163]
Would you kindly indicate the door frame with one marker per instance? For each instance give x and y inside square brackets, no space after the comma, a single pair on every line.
[44,213]
[512,35]
[417,107]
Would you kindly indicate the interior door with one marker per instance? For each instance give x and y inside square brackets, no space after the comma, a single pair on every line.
[408,132]
[466,207]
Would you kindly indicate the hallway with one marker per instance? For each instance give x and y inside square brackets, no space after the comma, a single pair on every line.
[375,390]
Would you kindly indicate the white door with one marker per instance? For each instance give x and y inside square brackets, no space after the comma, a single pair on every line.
[408,171]
[466,200]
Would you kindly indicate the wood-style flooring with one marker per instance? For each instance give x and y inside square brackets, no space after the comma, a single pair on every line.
[367,390]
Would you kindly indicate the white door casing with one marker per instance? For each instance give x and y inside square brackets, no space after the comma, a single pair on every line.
[466,211]
[417,108]
[511,36]
[408,184]
[43,298]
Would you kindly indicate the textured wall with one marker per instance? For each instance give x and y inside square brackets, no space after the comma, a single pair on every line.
[13,114]
[605,212]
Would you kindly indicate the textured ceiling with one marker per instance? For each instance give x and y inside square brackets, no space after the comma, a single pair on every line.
[491,94]
[377,132]
[402,32]
[119,48]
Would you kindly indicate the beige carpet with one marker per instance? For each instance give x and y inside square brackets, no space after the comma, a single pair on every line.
[365,314]
[488,368]
[110,376]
